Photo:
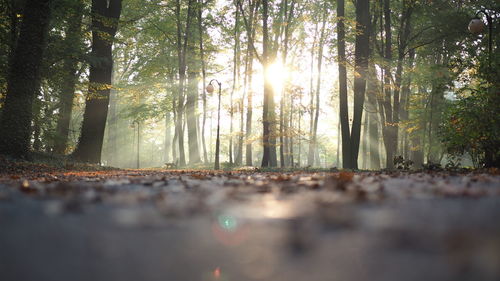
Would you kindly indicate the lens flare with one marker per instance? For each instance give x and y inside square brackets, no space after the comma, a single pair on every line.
[227,222]
[216,273]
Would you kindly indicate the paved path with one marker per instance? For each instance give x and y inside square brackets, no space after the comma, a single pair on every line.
[171,226]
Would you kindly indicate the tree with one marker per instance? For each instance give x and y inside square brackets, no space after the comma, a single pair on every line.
[70,76]
[342,62]
[104,26]
[315,109]
[361,54]
[268,115]
[351,138]
[250,25]
[24,79]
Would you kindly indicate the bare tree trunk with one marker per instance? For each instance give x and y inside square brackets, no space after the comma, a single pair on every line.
[417,139]
[168,137]
[37,124]
[313,149]
[338,145]
[24,79]
[284,134]
[404,111]
[239,146]
[174,140]
[191,116]
[112,129]
[310,154]
[193,72]
[182,42]
[388,126]
[203,74]
[250,26]
[68,85]
[248,132]
[343,108]
[291,134]
[268,114]
[361,52]
[402,42]
[236,66]
[96,107]
[372,110]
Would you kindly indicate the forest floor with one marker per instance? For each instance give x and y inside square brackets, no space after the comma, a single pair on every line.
[179,225]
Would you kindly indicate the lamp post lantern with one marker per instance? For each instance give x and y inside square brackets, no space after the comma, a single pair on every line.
[210,89]
[476,26]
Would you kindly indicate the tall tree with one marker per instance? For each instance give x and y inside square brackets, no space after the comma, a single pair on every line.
[24,79]
[193,75]
[204,79]
[236,76]
[351,140]
[315,109]
[70,75]
[268,159]
[105,17]
[361,53]
[342,63]
[388,128]
[285,138]
[182,43]
[250,26]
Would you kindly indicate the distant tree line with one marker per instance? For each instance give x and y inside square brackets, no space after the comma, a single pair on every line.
[122,82]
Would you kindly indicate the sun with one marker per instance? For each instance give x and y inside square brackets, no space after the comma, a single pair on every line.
[277,74]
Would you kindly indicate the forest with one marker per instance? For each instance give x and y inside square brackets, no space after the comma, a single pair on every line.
[271,140]
[346,84]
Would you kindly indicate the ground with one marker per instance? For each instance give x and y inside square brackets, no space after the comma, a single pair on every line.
[58,224]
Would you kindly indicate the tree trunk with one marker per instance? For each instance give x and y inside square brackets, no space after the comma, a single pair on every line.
[362,51]
[250,29]
[203,74]
[269,158]
[112,128]
[191,119]
[343,108]
[168,136]
[96,106]
[193,73]
[417,137]
[373,132]
[364,143]
[404,110]
[291,133]
[236,66]
[68,85]
[248,132]
[24,79]
[388,127]
[310,152]
[402,42]
[182,43]
[284,132]
[239,146]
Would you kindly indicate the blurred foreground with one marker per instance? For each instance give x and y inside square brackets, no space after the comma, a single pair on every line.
[205,225]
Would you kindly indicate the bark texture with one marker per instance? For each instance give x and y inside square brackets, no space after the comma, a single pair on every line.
[105,18]
[24,79]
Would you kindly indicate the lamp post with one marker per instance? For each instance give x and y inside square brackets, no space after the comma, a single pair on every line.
[210,90]
[138,142]
[476,26]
